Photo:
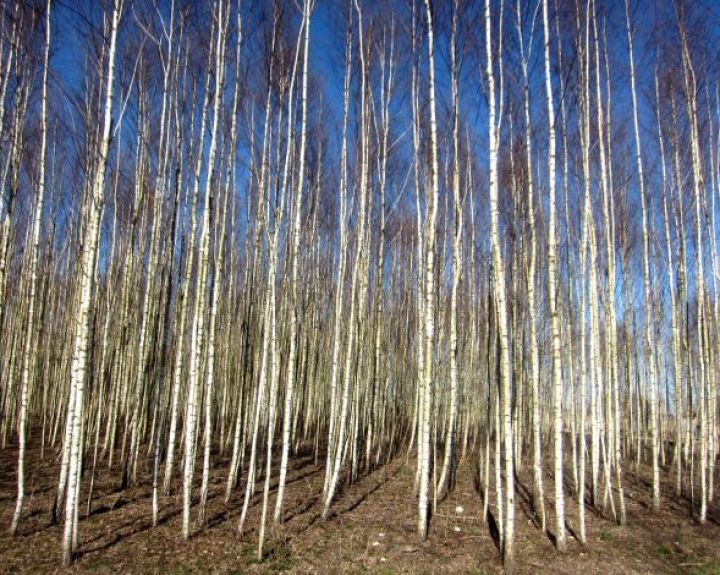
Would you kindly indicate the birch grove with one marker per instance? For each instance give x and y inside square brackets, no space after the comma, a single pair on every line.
[476,241]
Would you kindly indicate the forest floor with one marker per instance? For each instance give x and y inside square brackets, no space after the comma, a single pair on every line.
[372,529]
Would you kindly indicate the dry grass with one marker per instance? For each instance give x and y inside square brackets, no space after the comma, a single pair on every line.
[372,529]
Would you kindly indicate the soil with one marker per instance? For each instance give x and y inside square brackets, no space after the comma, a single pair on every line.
[372,528]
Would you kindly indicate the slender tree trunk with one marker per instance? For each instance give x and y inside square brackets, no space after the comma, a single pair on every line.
[553,299]
[292,356]
[75,411]
[29,351]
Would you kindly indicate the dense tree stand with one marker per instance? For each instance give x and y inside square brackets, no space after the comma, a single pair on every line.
[308,285]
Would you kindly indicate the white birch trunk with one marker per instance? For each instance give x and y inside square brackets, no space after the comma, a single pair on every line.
[29,353]
[87,267]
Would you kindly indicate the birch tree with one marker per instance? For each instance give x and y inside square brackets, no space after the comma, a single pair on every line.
[649,345]
[29,351]
[86,286]
[495,101]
